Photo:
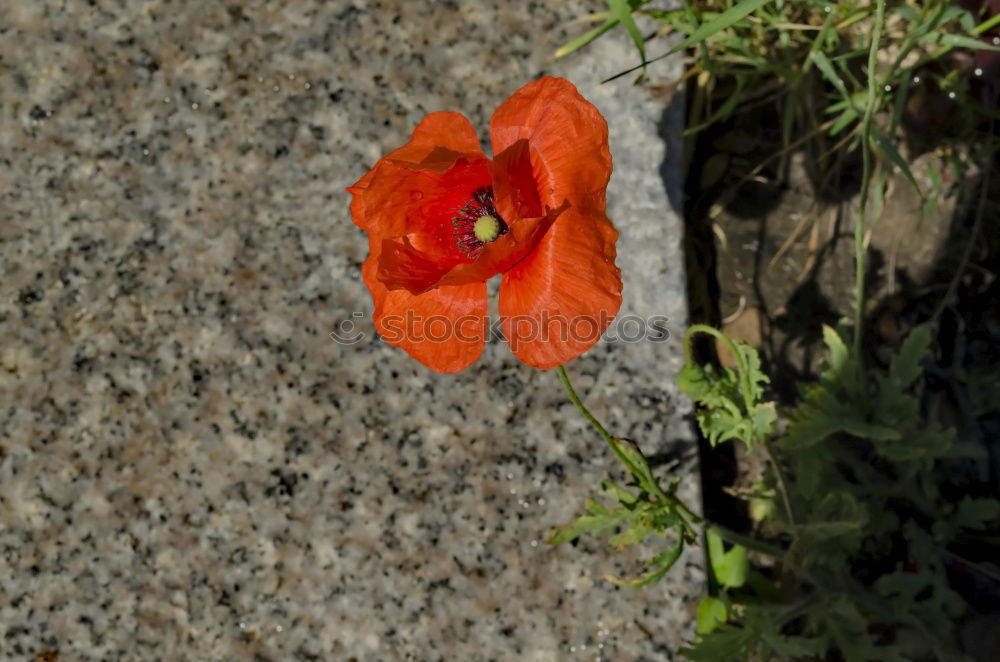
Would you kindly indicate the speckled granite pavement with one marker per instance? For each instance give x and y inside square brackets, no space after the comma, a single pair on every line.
[190,467]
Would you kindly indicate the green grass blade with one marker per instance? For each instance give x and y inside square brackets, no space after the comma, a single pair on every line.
[725,20]
[899,102]
[884,145]
[823,63]
[987,24]
[586,38]
[961,41]
[623,12]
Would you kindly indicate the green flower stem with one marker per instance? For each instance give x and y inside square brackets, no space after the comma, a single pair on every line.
[874,90]
[692,519]
[575,399]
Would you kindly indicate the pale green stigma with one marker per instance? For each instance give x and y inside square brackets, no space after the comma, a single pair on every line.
[477,223]
[487,228]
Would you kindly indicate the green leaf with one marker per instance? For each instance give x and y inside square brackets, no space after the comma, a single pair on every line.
[731,406]
[809,470]
[729,567]
[885,145]
[620,494]
[961,41]
[762,419]
[660,564]
[987,24]
[793,648]
[822,416]
[586,38]
[725,20]
[925,443]
[623,12]
[826,68]
[905,367]
[634,534]
[593,524]
[722,645]
[711,613]
[841,371]
[977,513]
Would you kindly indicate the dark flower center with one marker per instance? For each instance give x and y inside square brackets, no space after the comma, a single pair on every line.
[477,223]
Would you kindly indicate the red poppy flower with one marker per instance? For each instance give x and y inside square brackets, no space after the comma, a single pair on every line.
[442,219]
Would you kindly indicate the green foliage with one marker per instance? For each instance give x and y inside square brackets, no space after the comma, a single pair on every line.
[791,52]
[711,613]
[729,567]
[646,509]
[853,520]
[732,405]
[864,530]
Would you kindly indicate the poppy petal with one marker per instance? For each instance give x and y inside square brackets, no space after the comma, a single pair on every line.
[514,185]
[403,266]
[443,328]
[441,139]
[401,198]
[556,303]
[568,139]
[502,254]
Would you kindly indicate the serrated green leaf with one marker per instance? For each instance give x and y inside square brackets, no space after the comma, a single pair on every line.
[595,507]
[711,613]
[977,513]
[660,564]
[634,534]
[812,423]
[754,377]
[926,442]
[618,493]
[731,406]
[841,371]
[905,367]
[809,469]
[724,644]
[793,648]
[593,524]
[762,419]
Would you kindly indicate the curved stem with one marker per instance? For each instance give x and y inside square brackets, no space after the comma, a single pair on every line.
[782,484]
[575,399]
[686,513]
[861,223]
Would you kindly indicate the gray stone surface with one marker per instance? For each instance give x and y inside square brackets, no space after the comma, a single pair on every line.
[190,467]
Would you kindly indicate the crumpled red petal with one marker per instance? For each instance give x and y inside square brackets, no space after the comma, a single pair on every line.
[441,139]
[568,139]
[444,328]
[556,303]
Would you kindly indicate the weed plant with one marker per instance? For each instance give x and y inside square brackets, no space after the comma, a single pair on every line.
[858,552]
